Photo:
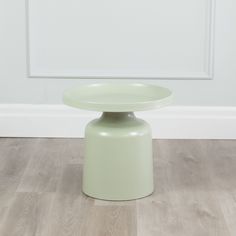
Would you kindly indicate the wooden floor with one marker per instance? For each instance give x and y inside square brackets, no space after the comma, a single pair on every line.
[40,191]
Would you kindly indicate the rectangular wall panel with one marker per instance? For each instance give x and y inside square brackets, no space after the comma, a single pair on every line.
[164,39]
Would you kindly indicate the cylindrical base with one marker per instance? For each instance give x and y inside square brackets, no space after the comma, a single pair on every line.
[118,157]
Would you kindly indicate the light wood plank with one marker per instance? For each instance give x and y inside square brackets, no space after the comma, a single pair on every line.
[68,215]
[27,215]
[14,156]
[222,166]
[41,183]
[183,203]
[221,157]
[110,221]
[45,167]
[70,182]
[227,201]
[70,208]
[75,150]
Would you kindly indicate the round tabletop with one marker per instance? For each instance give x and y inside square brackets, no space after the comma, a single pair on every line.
[117,97]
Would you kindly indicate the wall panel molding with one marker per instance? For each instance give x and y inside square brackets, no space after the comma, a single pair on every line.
[36,63]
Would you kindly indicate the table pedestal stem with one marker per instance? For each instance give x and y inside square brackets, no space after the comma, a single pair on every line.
[118,157]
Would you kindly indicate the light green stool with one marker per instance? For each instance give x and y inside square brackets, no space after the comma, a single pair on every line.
[118,154]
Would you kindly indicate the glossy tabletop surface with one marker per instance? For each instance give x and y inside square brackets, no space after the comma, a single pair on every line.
[117,97]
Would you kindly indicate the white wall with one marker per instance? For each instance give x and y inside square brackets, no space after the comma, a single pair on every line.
[17,87]
[128,39]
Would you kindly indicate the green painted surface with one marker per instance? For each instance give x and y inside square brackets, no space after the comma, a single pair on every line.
[120,97]
[118,163]
[118,155]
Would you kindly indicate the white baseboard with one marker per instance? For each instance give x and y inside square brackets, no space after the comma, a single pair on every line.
[174,122]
